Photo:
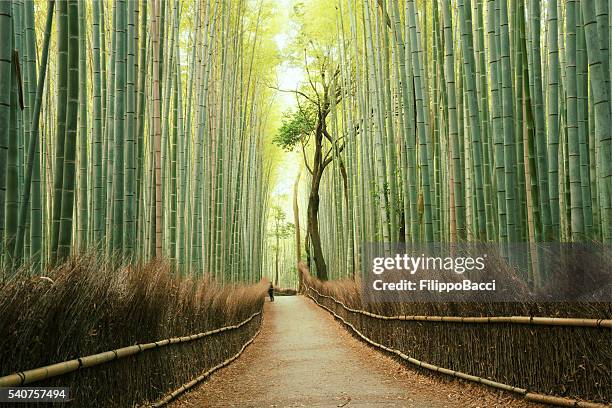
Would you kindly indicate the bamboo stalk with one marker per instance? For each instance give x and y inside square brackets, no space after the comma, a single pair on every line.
[562,402]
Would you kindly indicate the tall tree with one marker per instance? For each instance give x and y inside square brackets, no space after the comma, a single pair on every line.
[309,125]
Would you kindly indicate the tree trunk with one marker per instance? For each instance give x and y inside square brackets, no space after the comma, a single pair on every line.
[313,226]
[276,275]
[296,218]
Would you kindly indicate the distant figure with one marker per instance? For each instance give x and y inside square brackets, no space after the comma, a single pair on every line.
[271,292]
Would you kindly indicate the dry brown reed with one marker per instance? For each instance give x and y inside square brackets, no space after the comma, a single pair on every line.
[87,306]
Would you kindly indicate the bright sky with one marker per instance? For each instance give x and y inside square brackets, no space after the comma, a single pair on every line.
[289,78]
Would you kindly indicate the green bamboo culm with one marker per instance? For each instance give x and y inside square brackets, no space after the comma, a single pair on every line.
[601,101]
[36,189]
[97,183]
[576,207]
[129,227]
[552,117]
[12,169]
[82,236]
[5,105]
[33,142]
[69,162]
[421,117]
[118,133]
[501,107]
[60,127]
[458,223]
[451,121]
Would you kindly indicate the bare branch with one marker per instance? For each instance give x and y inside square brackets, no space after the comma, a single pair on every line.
[328,157]
[292,91]
[306,158]
[328,136]
[314,88]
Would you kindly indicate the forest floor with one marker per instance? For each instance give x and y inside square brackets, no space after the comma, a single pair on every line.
[304,358]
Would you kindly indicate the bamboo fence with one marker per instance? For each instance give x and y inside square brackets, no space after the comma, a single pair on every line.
[57,369]
[187,386]
[547,399]
[529,320]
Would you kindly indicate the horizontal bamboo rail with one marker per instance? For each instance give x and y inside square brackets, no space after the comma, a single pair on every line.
[529,320]
[547,399]
[57,369]
[187,386]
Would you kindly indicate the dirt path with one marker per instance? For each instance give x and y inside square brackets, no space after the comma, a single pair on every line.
[304,358]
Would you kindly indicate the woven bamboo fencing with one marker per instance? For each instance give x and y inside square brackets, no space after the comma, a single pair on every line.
[189,385]
[55,370]
[539,356]
[532,320]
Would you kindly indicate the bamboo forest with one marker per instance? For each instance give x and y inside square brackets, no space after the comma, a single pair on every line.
[187,185]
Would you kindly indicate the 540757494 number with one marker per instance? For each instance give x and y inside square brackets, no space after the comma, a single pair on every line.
[35,394]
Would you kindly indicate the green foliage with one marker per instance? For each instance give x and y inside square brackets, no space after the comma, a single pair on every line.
[283,231]
[280,228]
[317,22]
[119,179]
[296,127]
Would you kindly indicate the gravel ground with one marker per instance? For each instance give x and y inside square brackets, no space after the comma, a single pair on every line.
[304,358]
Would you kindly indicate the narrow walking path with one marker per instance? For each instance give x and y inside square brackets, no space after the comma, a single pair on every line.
[304,358]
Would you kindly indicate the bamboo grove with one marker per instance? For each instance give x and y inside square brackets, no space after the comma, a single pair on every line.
[140,129]
[146,138]
[467,120]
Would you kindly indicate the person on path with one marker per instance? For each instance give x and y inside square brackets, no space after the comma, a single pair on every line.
[271,292]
